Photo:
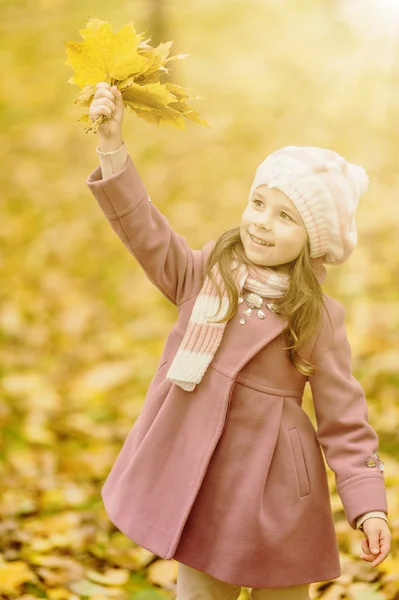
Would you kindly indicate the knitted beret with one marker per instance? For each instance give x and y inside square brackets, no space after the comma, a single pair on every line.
[325,188]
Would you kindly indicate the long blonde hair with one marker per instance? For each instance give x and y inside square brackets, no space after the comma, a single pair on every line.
[302,303]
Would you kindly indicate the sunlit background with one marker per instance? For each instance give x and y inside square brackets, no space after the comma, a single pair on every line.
[373,19]
[82,328]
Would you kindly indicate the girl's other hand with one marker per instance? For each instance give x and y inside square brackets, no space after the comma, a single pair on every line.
[377,544]
[108,101]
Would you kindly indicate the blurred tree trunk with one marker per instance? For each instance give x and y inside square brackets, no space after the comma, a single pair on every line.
[160,30]
[157,21]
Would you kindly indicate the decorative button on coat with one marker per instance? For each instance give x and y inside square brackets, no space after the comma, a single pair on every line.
[371,461]
[253,300]
[381,464]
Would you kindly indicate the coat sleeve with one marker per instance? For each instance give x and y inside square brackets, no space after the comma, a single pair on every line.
[167,260]
[343,430]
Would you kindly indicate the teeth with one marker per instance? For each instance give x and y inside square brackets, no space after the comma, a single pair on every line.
[260,241]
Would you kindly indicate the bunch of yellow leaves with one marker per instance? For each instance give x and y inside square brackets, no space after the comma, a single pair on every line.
[124,59]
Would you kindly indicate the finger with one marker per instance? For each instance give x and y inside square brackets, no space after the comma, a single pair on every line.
[105,110]
[367,555]
[103,84]
[117,97]
[382,556]
[103,93]
[117,93]
[105,102]
[378,559]
[374,546]
[386,544]
[105,107]
[371,547]
[100,110]
[365,546]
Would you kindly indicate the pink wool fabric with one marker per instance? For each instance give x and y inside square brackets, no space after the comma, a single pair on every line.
[230,478]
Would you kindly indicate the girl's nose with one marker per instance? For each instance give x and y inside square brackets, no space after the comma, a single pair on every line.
[265,220]
[265,223]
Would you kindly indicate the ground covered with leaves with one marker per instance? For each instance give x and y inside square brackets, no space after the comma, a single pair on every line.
[82,329]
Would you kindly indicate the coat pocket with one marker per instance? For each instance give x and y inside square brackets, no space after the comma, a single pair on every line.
[299,460]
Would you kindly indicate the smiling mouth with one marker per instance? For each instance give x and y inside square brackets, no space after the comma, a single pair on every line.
[263,245]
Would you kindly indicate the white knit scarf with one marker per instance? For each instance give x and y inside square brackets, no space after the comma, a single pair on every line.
[202,337]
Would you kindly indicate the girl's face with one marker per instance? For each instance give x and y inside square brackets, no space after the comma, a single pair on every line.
[273,217]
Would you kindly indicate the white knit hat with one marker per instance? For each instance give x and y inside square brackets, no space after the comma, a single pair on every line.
[325,188]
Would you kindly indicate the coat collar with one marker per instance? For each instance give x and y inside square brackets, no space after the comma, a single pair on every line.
[246,341]
[261,337]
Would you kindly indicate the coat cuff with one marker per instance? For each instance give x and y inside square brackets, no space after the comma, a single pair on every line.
[361,496]
[120,192]
[374,513]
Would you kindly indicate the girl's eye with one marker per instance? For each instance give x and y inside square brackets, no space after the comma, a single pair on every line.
[283,213]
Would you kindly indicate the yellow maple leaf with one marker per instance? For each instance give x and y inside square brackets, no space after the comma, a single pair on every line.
[178,91]
[126,60]
[156,56]
[154,95]
[104,54]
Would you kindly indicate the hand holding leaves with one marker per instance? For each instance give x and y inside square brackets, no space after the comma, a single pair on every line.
[107,101]
[123,59]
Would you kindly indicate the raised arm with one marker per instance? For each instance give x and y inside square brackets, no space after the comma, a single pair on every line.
[167,260]
[165,256]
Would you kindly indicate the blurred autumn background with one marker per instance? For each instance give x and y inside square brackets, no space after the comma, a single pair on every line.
[82,328]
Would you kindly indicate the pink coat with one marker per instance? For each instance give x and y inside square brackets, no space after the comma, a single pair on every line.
[230,478]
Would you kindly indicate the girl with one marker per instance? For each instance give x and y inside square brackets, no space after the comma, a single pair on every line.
[223,470]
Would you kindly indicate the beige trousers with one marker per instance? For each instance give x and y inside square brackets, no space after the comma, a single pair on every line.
[196,585]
